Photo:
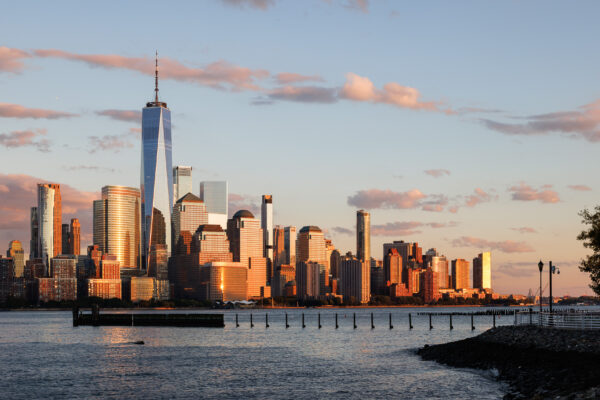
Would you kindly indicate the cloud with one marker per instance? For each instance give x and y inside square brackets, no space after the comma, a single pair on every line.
[436,173]
[524,192]
[217,75]
[359,5]
[524,229]
[93,168]
[479,196]
[407,228]
[583,123]
[262,5]
[518,269]
[581,188]
[285,78]
[20,193]
[244,202]
[305,94]
[507,246]
[26,138]
[386,199]
[342,231]
[436,203]
[11,60]
[358,88]
[122,115]
[8,110]
[115,143]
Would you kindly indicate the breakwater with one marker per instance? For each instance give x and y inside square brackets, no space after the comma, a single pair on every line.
[95,318]
[536,362]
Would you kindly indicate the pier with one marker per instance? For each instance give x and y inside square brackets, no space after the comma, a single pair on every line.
[95,318]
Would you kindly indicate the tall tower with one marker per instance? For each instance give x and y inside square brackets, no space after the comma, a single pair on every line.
[214,194]
[74,237]
[182,181]
[363,235]
[482,271]
[49,222]
[15,250]
[156,175]
[266,223]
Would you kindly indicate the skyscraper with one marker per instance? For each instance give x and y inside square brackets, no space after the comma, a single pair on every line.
[214,194]
[289,237]
[482,271]
[189,213]
[15,250]
[308,276]
[156,174]
[49,222]
[182,181]
[35,233]
[439,265]
[355,280]
[311,245]
[460,274]
[279,255]
[246,241]
[266,223]
[65,233]
[117,227]
[74,237]
[363,235]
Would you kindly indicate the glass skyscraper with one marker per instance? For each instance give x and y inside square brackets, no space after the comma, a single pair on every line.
[156,176]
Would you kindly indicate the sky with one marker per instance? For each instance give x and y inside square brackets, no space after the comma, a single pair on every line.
[465,126]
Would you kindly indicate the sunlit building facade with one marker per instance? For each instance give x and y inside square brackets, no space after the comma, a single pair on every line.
[460,274]
[214,194]
[48,221]
[482,271]
[289,237]
[355,280]
[117,229]
[224,281]
[16,252]
[363,235]
[189,212]
[439,264]
[182,181]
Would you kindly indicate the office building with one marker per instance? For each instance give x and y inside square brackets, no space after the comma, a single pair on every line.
[62,283]
[156,184]
[266,223]
[311,245]
[109,285]
[35,233]
[7,276]
[65,232]
[279,254]
[224,281]
[429,289]
[48,222]
[460,274]
[363,235]
[482,271]
[117,225]
[182,182]
[215,194]
[158,262]
[16,252]
[308,276]
[439,264]
[189,213]
[392,268]
[289,237]
[355,280]
[334,263]
[145,288]
[75,237]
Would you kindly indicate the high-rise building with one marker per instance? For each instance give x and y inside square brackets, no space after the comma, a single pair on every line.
[35,233]
[156,177]
[392,267]
[182,182]
[7,277]
[117,227]
[311,245]
[363,235]
[405,249]
[279,255]
[49,222]
[65,232]
[482,271]
[62,283]
[266,223]
[224,281]
[334,263]
[355,280]
[429,285]
[246,243]
[214,194]
[16,252]
[460,274]
[308,276]
[75,237]
[188,214]
[439,264]
[109,286]
[289,237]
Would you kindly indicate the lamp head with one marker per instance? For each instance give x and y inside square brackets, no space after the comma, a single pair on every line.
[541,265]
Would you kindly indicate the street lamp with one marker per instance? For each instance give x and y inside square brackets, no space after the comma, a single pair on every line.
[541,267]
[553,270]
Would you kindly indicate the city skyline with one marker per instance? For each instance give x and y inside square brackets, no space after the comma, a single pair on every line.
[524,212]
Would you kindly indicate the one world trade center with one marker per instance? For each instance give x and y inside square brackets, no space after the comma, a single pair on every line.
[156,184]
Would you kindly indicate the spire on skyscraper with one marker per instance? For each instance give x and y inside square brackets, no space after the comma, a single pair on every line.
[156,79]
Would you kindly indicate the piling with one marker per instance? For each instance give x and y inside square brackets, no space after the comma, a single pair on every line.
[391,326]
[336,321]
[472,324]
[266,320]
[494,320]
[286,321]
[451,327]
[237,323]
[530,316]
[372,325]
[75,316]
[430,324]
[410,321]
[354,320]
[319,319]
[303,325]
[251,322]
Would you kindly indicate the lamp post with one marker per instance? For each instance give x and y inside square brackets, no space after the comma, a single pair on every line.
[553,270]
[541,267]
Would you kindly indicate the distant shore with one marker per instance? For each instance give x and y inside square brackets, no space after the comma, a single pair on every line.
[537,362]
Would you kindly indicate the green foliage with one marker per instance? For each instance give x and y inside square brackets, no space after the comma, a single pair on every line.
[591,240]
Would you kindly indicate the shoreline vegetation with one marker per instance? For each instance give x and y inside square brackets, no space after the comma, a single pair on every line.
[538,363]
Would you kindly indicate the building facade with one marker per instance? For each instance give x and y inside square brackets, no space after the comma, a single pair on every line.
[460,274]
[16,252]
[482,271]
[188,214]
[355,280]
[182,182]
[215,194]
[363,235]
[48,221]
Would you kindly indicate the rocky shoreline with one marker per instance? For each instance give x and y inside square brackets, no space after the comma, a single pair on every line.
[538,363]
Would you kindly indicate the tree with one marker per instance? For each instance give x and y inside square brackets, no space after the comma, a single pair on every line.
[591,240]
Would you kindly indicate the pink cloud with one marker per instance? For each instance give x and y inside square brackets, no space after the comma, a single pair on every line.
[507,246]
[436,173]
[262,5]
[435,203]
[122,115]
[114,143]
[375,198]
[8,110]
[28,138]
[342,231]
[524,229]
[217,75]
[525,192]
[285,78]
[244,202]
[581,188]
[360,5]
[480,196]
[305,94]
[396,228]
[19,194]
[358,88]
[582,123]
[11,60]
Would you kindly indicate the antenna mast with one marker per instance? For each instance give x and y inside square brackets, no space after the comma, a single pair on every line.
[156,80]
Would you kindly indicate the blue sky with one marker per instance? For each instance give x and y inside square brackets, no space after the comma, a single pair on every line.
[345,144]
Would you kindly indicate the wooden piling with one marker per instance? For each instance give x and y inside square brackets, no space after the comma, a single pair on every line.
[336,321]
[430,324]
[266,320]
[237,323]
[391,326]
[451,327]
[410,321]
[286,321]
[472,323]
[303,325]
[319,319]
[372,324]
[251,322]
[354,320]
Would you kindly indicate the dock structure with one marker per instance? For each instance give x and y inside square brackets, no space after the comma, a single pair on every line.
[95,318]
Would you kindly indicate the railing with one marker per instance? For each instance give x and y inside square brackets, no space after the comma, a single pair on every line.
[562,320]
